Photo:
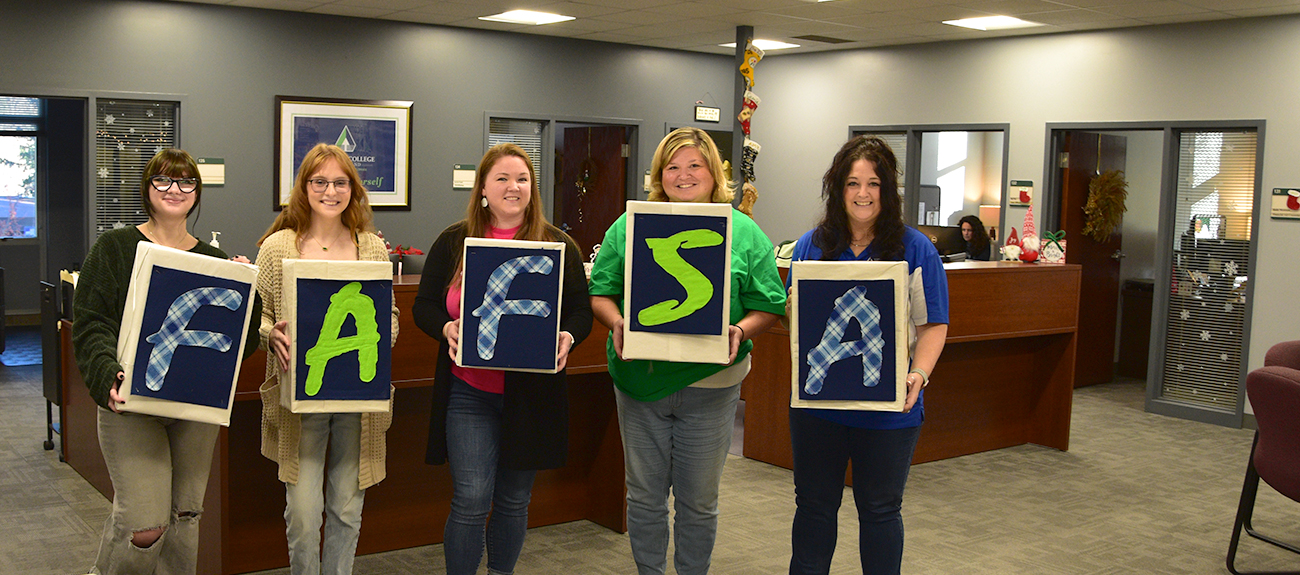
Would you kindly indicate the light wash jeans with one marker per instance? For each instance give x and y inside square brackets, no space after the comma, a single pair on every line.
[482,485]
[159,468]
[678,442]
[340,502]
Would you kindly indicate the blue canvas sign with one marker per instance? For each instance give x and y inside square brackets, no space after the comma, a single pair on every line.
[682,259]
[849,338]
[340,323]
[510,304]
[677,282]
[183,332]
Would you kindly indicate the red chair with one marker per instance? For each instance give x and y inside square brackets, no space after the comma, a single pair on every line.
[1274,392]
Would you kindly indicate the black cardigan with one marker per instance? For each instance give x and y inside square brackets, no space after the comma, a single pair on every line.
[535,416]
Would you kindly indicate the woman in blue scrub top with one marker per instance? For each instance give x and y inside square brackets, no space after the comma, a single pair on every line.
[863,222]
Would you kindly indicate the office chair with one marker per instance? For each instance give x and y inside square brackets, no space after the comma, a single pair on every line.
[1274,392]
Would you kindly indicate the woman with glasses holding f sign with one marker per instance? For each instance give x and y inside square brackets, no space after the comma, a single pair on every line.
[159,466]
[328,218]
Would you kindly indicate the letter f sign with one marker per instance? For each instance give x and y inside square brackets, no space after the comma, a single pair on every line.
[173,334]
[496,305]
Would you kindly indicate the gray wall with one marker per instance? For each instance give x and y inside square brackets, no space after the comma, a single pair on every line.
[227,65]
[1240,69]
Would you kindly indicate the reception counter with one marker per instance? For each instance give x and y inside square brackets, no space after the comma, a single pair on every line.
[243,521]
[1005,377]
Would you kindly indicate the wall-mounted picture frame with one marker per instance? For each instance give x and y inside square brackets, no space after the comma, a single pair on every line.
[376,134]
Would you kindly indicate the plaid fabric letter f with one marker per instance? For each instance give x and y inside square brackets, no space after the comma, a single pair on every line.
[496,305]
[853,305]
[173,334]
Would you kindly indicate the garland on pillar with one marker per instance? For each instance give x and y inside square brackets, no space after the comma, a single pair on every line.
[749,153]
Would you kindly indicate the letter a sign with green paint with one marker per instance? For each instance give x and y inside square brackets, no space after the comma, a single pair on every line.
[677,282]
[340,323]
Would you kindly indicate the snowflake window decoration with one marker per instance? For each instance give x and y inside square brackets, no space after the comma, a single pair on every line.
[1205,335]
[1230,269]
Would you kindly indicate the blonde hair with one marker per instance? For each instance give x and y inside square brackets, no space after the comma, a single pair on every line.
[682,138]
[296,216]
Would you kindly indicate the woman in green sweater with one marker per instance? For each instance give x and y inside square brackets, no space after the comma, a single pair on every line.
[159,466]
[675,417]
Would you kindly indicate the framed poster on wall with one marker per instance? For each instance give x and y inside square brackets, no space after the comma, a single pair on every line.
[376,134]
[849,335]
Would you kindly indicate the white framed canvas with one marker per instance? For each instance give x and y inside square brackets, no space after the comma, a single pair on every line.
[677,282]
[510,302]
[340,331]
[849,335]
[183,332]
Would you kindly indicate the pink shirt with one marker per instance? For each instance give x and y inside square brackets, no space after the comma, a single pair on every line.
[489,380]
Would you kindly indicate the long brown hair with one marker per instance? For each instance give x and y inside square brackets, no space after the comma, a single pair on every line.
[296,216]
[979,238]
[700,140]
[478,217]
[833,232]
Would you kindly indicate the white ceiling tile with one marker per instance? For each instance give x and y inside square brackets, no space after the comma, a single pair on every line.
[694,10]
[1149,9]
[354,11]
[696,24]
[292,5]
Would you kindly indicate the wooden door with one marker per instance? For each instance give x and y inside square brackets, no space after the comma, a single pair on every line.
[591,184]
[1088,155]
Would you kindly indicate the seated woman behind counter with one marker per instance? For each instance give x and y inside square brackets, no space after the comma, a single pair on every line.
[978,247]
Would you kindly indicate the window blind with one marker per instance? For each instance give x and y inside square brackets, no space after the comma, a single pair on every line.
[527,134]
[1212,249]
[128,133]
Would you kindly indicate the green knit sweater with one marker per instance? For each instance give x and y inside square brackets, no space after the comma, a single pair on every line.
[100,300]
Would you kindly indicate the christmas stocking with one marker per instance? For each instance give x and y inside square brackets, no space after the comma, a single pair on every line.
[748,197]
[752,55]
[747,157]
[747,109]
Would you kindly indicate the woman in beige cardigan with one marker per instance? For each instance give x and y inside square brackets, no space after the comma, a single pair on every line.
[328,218]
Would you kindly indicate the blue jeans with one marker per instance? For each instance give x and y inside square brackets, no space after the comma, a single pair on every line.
[679,442]
[339,503]
[481,485]
[881,461]
[159,468]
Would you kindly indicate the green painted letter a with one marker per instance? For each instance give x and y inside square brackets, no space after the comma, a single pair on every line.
[348,301]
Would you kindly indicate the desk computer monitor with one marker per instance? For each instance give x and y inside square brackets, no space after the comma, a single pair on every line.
[946,239]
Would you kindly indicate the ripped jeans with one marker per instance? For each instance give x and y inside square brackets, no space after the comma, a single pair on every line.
[159,468]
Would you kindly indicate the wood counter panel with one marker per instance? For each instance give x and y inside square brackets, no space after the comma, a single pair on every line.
[1005,376]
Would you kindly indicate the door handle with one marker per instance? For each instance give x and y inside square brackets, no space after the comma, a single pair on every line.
[1118,255]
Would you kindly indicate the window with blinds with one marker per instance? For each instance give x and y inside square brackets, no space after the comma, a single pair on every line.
[897,143]
[527,134]
[127,135]
[1205,342]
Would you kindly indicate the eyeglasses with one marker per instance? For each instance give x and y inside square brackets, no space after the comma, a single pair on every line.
[164,183]
[319,185]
